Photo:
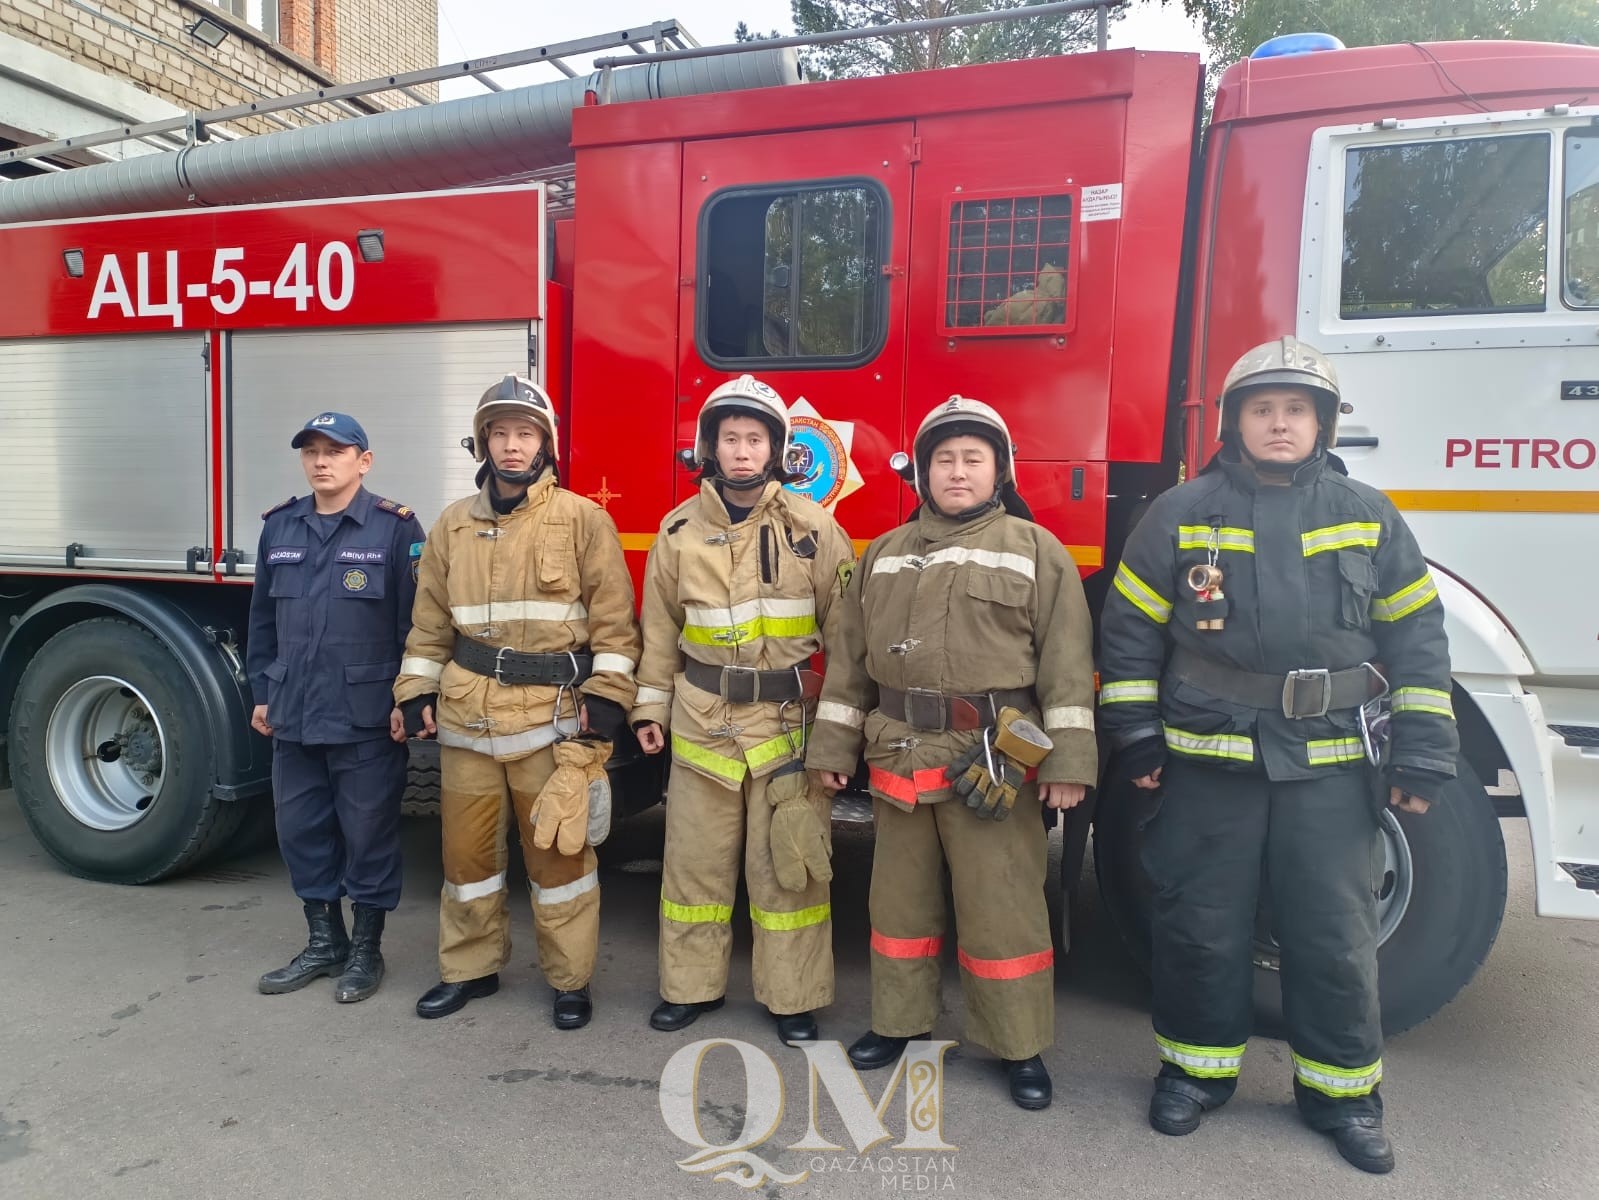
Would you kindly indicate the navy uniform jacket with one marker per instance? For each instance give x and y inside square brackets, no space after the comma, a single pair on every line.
[328,619]
[1323,573]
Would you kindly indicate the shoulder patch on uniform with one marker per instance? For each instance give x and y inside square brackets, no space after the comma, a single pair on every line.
[279,507]
[675,526]
[398,510]
[846,572]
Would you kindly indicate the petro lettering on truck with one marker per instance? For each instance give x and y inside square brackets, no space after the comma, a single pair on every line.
[1575,454]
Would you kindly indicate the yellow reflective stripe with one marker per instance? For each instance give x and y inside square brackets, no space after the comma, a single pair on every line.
[1201,537]
[1333,750]
[1338,1081]
[1124,691]
[749,631]
[696,914]
[1340,537]
[782,746]
[1427,700]
[1142,597]
[799,919]
[731,769]
[1406,600]
[1202,1062]
[1239,746]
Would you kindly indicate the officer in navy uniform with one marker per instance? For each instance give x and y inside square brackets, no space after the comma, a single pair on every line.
[329,614]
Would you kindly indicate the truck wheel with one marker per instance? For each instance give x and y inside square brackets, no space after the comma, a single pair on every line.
[109,757]
[421,797]
[1442,900]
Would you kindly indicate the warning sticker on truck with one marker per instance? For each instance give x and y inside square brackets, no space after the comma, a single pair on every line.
[1102,202]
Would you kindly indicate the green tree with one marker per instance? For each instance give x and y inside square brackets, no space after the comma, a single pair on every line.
[1233,28]
[938,48]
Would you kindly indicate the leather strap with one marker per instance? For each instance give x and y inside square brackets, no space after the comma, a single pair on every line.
[746,685]
[922,708]
[516,669]
[1309,692]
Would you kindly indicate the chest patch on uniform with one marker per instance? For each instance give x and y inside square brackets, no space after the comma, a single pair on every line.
[359,554]
[355,580]
[285,554]
[804,547]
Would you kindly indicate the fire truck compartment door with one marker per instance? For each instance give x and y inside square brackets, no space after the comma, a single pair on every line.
[794,247]
[105,449]
[413,388]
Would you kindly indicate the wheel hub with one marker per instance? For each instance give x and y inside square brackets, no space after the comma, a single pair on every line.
[106,752]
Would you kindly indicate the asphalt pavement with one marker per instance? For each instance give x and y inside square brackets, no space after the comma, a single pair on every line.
[137,1059]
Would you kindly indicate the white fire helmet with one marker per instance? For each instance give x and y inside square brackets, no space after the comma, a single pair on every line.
[1286,362]
[744,396]
[957,416]
[514,396]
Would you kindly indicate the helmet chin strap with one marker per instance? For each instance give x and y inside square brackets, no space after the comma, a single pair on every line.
[515,479]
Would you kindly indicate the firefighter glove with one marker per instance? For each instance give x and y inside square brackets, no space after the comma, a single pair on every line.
[799,839]
[1423,784]
[606,717]
[1013,747]
[411,710]
[562,814]
[1141,758]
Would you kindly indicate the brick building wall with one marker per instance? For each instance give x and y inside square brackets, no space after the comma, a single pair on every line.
[146,42]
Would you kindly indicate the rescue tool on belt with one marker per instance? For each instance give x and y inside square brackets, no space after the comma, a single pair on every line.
[989,775]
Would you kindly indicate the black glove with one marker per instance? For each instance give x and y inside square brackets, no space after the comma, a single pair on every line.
[1419,782]
[1143,756]
[606,717]
[411,710]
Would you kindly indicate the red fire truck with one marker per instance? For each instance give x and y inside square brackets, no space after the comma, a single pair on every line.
[1066,238]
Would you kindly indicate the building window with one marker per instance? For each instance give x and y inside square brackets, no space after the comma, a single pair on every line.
[1459,226]
[259,14]
[793,275]
[1581,272]
[1009,258]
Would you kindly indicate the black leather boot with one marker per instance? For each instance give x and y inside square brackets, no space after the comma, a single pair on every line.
[1030,1086]
[574,1008]
[793,1028]
[442,999]
[1363,1144]
[1177,1106]
[324,953]
[364,971]
[668,1016]
[874,1050]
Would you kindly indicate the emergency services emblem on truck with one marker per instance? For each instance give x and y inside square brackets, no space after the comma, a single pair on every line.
[819,450]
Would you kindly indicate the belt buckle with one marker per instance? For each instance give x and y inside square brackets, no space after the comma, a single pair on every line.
[926,709]
[748,677]
[1291,685]
[499,665]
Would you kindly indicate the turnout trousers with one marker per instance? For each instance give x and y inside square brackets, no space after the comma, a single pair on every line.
[1215,840]
[1007,961]
[337,810]
[478,797]
[710,828]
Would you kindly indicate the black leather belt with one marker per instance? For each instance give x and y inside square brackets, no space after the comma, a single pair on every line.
[923,708]
[515,669]
[1307,692]
[746,685]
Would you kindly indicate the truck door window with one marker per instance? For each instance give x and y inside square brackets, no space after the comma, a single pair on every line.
[793,274]
[1008,260]
[1582,218]
[1457,226]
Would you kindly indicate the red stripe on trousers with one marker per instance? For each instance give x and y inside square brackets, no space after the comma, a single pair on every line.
[893,947]
[1007,968]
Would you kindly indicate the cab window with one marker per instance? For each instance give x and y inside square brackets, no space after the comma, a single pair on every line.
[793,275]
[1581,268]
[1458,226]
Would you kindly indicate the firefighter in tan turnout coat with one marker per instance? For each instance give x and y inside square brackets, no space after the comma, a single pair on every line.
[741,590]
[964,664]
[521,660]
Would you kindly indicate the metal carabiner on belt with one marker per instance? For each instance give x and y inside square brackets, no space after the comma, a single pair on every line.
[1374,718]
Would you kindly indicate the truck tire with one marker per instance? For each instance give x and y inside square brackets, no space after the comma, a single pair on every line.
[421,798]
[1442,902]
[109,756]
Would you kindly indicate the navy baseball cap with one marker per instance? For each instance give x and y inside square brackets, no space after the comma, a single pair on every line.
[340,427]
